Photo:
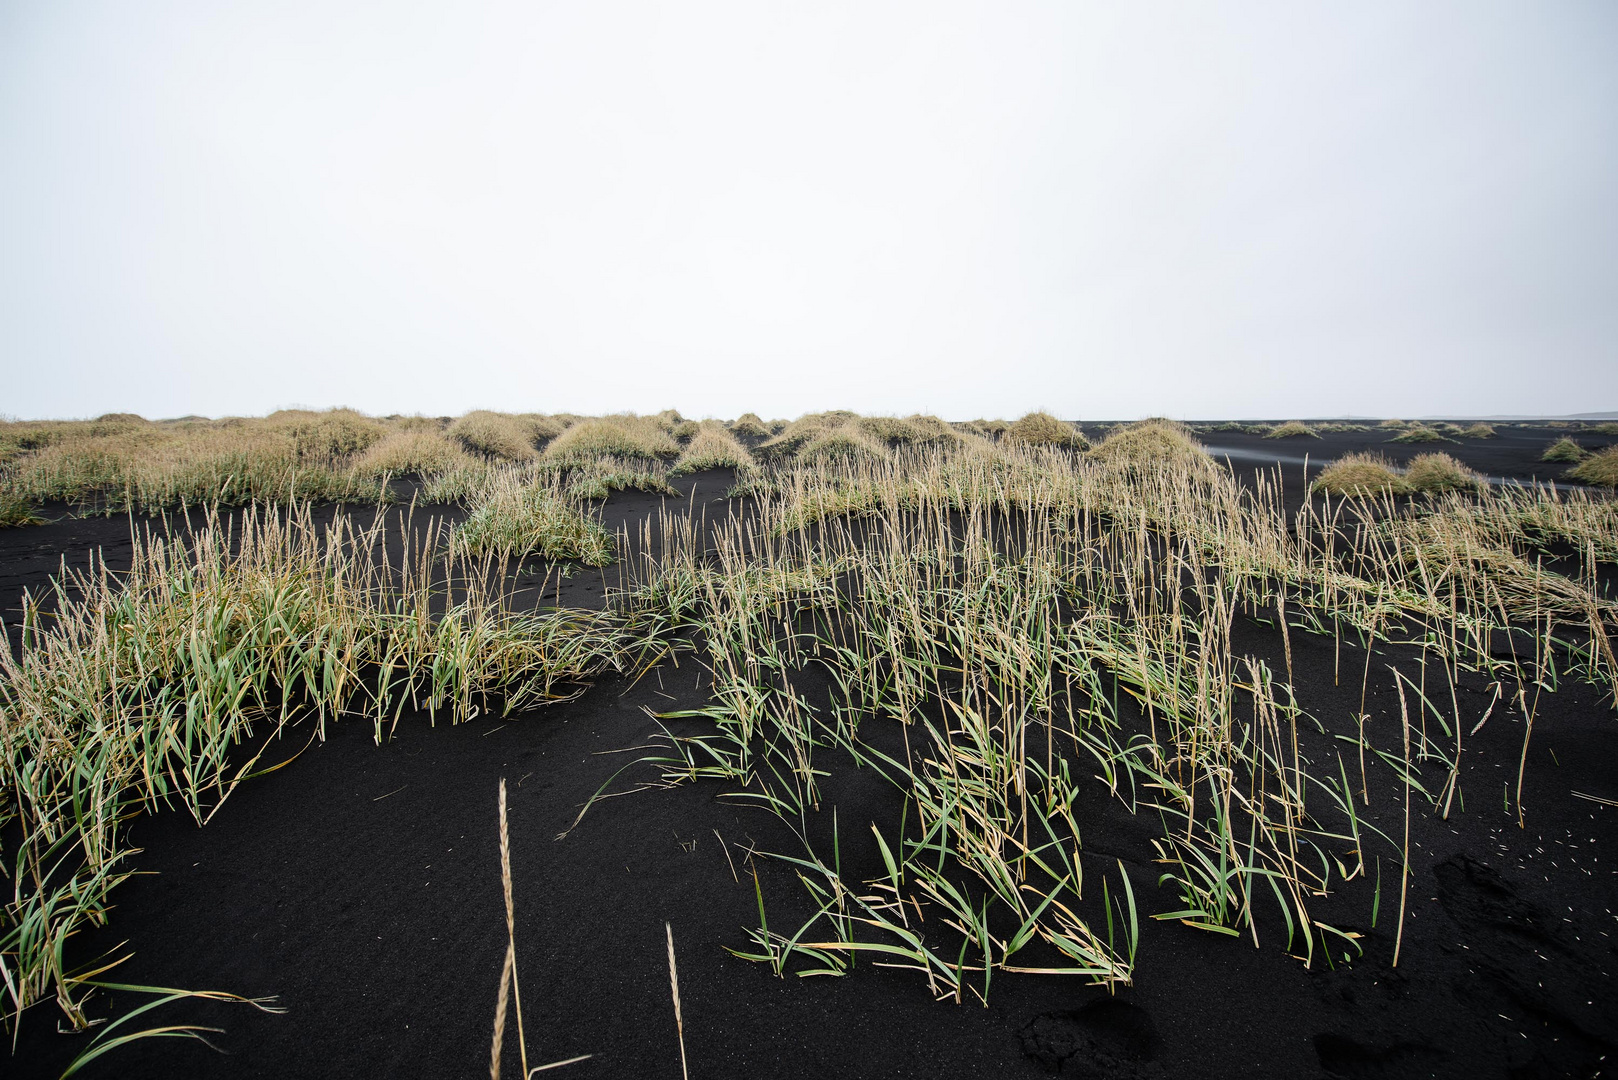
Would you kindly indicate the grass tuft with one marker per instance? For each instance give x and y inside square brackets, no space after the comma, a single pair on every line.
[1360,474]
[1600,468]
[1043,429]
[1436,473]
[1290,430]
[1563,449]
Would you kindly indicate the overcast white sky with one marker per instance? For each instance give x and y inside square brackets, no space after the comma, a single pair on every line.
[1108,210]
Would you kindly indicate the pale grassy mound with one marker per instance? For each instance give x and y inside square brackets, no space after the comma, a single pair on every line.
[1152,443]
[1435,473]
[1600,468]
[910,431]
[1340,426]
[1479,430]
[750,424]
[413,452]
[847,444]
[623,436]
[685,429]
[713,447]
[545,426]
[806,430]
[1563,449]
[495,435]
[1292,429]
[1043,429]
[1360,474]
[324,436]
[1419,433]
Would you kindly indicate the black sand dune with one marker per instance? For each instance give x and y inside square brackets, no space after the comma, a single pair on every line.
[360,885]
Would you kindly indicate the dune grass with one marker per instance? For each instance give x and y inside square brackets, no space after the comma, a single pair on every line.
[1563,449]
[1600,468]
[750,425]
[498,436]
[1479,430]
[1434,473]
[623,436]
[1043,429]
[1420,433]
[1051,629]
[1292,429]
[713,447]
[1361,475]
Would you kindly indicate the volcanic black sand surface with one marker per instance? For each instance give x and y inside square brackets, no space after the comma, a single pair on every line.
[360,885]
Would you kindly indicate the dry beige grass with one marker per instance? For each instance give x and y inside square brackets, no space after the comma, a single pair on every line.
[805,430]
[413,452]
[1563,449]
[1436,473]
[495,435]
[1600,468]
[1153,443]
[1043,429]
[911,431]
[1479,430]
[750,425]
[1292,429]
[1360,474]
[621,436]
[713,447]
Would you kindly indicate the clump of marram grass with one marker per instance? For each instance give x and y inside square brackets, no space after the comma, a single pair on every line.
[1563,449]
[1436,473]
[1360,474]
[685,430]
[992,428]
[518,514]
[1606,427]
[915,430]
[1340,426]
[805,430]
[1479,430]
[847,443]
[750,425]
[713,447]
[1043,429]
[1600,468]
[622,436]
[1149,443]
[545,426]
[1290,430]
[324,436]
[1420,433]
[494,435]
[413,451]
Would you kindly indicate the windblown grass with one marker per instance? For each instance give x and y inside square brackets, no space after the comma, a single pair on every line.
[1563,449]
[413,452]
[1600,468]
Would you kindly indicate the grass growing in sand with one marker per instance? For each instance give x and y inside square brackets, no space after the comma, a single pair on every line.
[1600,468]
[1292,429]
[1563,449]
[1012,633]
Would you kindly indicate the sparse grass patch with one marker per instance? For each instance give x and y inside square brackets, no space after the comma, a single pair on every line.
[520,514]
[1479,430]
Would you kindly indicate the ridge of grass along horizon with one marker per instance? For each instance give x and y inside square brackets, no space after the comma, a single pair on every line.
[1290,430]
[621,436]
